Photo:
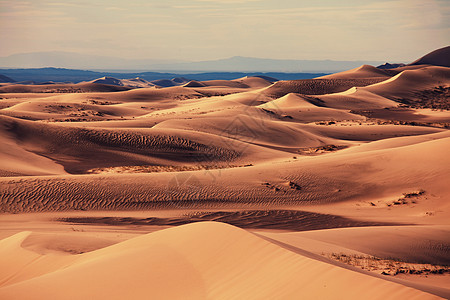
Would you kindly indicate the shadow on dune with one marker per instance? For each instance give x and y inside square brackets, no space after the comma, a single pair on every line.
[250,219]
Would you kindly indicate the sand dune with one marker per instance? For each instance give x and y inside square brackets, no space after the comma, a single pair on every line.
[194,83]
[439,57]
[18,161]
[181,257]
[424,87]
[316,86]
[132,83]
[255,82]
[61,88]
[410,81]
[364,71]
[115,148]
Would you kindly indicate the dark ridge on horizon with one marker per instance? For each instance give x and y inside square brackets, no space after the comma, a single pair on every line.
[72,75]
[231,64]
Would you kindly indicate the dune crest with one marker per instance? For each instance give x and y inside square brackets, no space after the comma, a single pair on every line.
[439,57]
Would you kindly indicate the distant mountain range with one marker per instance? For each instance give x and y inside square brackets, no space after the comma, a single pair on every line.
[251,64]
[233,64]
[40,75]
[4,79]
[75,61]
[439,57]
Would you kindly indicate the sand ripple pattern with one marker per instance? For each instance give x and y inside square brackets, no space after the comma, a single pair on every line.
[96,192]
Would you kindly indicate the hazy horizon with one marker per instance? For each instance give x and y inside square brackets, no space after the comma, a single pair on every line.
[186,60]
[72,60]
[396,31]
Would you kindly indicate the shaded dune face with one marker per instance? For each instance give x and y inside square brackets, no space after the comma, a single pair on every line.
[439,57]
[80,149]
[317,86]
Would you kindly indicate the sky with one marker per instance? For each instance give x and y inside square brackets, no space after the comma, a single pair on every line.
[396,31]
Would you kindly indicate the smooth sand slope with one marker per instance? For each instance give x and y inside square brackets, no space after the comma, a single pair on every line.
[189,262]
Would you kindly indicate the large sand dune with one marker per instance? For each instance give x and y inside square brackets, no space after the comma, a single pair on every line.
[199,261]
[439,57]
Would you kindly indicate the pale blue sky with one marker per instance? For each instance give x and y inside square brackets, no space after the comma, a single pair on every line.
[397,30]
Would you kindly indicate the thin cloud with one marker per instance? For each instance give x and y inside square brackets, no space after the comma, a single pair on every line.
[208,29]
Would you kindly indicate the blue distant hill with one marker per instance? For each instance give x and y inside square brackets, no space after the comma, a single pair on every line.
[39,75]
[242,64]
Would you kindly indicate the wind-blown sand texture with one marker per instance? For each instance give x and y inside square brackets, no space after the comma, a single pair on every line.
[121,189]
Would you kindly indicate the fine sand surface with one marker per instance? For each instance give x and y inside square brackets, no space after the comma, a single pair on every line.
[329,188]
[197,261]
